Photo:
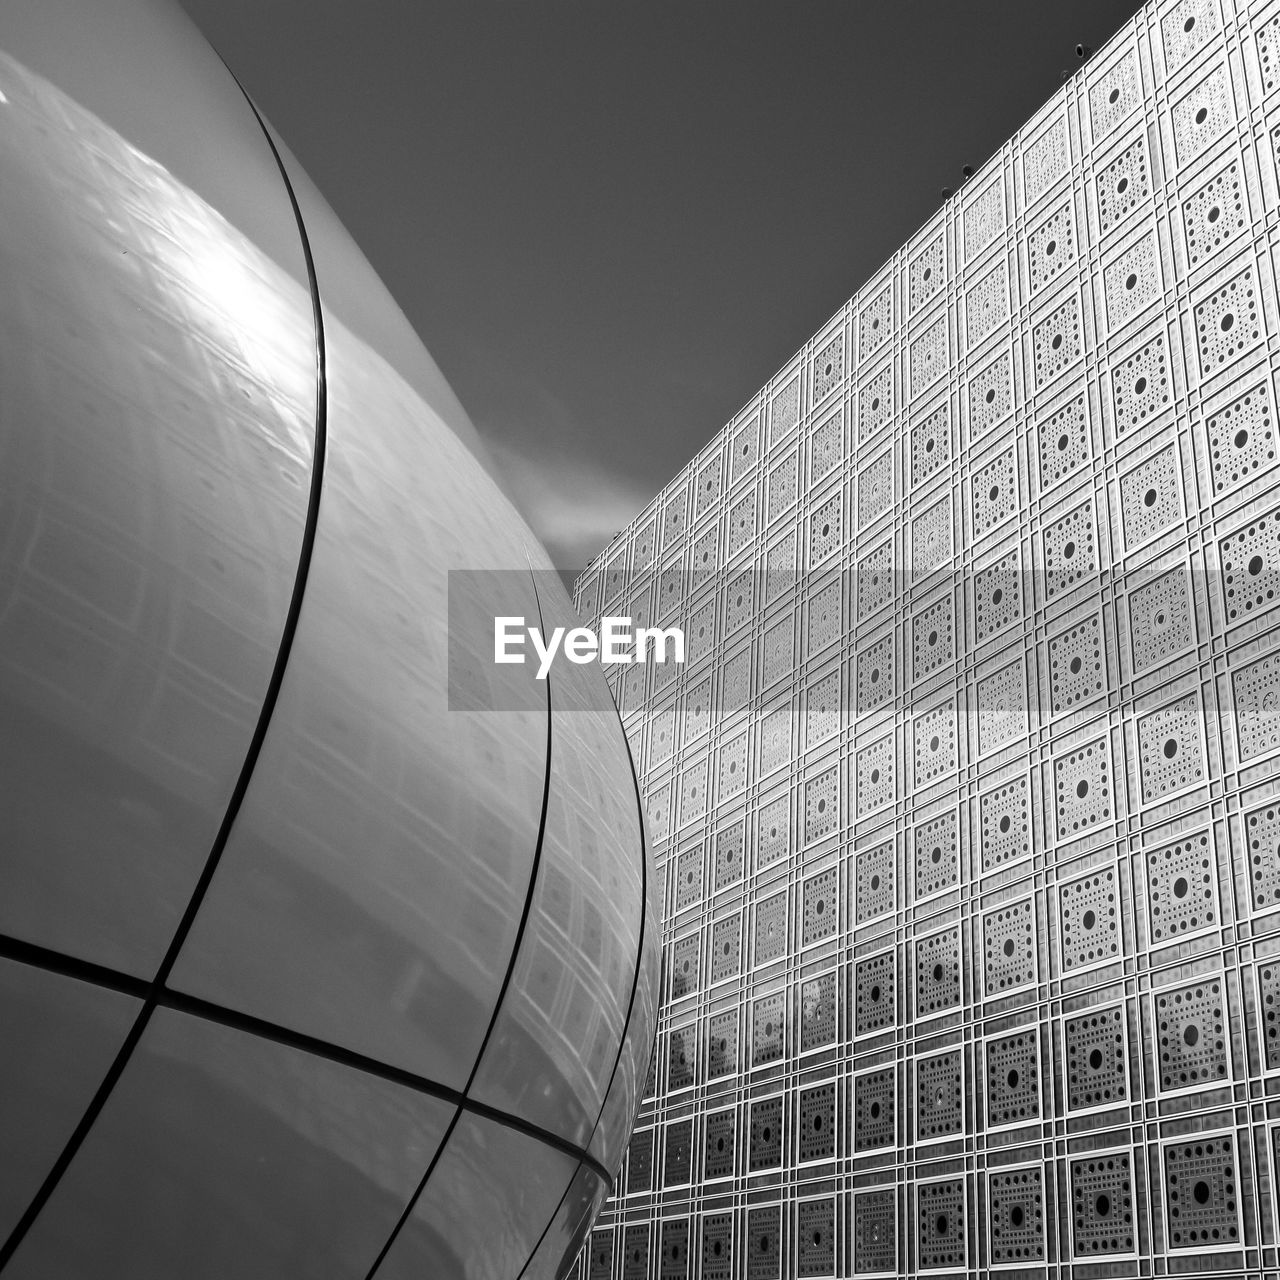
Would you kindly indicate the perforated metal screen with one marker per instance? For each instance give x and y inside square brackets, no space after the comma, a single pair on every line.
[968,797]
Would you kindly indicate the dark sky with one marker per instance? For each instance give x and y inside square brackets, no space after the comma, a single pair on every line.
[612,220]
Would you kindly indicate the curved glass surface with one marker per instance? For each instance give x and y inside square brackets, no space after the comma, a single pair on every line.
[157,414]
[484,1209]
[221,1154]
[372,887]
[143,69]
[568,1229]
[158,361]
[557,1035]
[623,1100]
[353,291]
[60,1037]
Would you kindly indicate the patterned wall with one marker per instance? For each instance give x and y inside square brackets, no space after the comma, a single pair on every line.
[967,802]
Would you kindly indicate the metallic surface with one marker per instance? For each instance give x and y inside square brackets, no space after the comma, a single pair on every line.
[588,893]
[490,1173]
[400,832]
[60,1038]
[220,1153]
[156,442]
[577,1211]
[300,970]
[978,967]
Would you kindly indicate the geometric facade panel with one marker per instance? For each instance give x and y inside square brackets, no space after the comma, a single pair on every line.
[1090,920]
[1010,943]
[677,1165]
[1269,1010]
[965,803]
[717,1247]
[1096,1068]
[1161,621]
[939,1096]
[875,994]
[1102,1205]
[876,879]
[1082,779]
[875,1232]
[1200,1185]
[718,1160]
[674,1252]
[1064,442]
[937,855]
[1262,834]
[1192,1037]
[1182,897]
[939,975]
[764,1244]
[1013,1079]
[1076,668]
[818,1012]
[1002,706]
[768,1029]
[817,1123]
[816,1237]
[1005,818]
[940,1225]
[874,1112]
[764,1149]
[1015,1200]
[1242,438]
[1169,751]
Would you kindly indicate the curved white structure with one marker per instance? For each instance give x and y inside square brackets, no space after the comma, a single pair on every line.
[301,971]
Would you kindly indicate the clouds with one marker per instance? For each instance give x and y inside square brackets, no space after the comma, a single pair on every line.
[571,486]
[573,504]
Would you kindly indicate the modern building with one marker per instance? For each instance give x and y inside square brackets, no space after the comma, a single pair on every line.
[966,801]
[306,970]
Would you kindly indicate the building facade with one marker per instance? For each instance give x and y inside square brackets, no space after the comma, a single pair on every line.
[966,801]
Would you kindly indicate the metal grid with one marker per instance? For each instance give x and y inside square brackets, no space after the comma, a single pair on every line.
[990,567]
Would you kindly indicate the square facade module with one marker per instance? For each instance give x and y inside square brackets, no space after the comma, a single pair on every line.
[964,805]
